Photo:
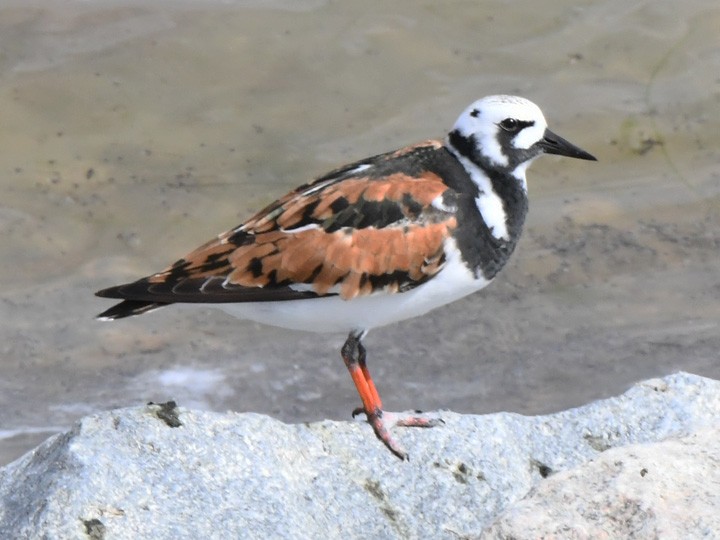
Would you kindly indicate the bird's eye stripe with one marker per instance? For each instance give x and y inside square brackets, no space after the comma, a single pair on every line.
[509,124]
[513,125]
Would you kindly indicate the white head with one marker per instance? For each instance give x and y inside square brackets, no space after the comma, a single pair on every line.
[507,133]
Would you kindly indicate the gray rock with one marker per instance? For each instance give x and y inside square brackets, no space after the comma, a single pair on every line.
[159,472]
[669,489]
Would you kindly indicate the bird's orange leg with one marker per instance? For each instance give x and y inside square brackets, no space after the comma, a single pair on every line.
[354,355]
[362,355]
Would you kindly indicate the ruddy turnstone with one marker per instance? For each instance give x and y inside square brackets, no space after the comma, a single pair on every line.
[377,241]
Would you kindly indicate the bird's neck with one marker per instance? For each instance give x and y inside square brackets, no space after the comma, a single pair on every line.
[501,193]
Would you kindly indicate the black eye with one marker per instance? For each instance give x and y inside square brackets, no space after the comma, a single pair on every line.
[510,124]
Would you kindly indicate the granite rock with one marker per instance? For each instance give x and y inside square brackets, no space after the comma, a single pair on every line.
[667,489]
[161,471]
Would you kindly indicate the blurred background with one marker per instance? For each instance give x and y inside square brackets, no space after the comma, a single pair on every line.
[130,133]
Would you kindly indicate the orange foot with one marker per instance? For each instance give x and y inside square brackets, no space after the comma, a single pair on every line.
[354,355]
[383,421]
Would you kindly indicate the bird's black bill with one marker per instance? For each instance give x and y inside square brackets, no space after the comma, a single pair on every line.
[555,144]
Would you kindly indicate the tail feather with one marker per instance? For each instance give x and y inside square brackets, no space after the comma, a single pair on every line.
[129,308]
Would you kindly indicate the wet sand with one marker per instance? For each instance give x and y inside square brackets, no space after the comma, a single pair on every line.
[130,134]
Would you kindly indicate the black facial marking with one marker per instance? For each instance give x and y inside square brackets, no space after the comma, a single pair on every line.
[512,125]
[467,145]
[475,113]
[509,124]
[515,156]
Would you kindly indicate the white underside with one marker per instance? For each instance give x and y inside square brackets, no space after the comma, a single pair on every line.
[333,314]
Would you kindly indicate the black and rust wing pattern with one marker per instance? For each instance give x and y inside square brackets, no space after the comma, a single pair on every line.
[377,224]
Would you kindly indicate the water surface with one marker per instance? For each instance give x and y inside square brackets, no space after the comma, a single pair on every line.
[130,133]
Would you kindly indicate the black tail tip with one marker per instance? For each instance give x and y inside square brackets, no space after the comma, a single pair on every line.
[128,308]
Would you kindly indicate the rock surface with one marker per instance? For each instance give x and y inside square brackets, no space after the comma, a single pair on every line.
[669,489]
[644,464]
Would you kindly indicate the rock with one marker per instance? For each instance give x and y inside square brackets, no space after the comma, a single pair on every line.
[668,489]
[165,472]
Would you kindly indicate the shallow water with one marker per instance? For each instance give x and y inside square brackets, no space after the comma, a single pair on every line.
[130,134]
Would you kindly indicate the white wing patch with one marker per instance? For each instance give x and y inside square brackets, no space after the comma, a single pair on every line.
[360,168]
[308,227]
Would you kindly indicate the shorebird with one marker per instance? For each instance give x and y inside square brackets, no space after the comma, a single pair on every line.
[373,242]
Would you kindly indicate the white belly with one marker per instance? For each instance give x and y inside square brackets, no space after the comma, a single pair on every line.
[333,314]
